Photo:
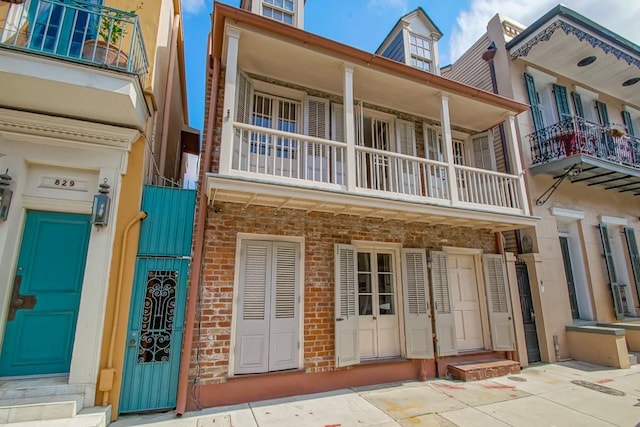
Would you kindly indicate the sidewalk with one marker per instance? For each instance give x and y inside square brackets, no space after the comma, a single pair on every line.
[562,394]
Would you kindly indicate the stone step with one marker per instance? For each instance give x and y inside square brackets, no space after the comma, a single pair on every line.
[40,408]
[480,370]
[633,358]
[94,420]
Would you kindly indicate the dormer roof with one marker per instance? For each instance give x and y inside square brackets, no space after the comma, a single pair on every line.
[416,14]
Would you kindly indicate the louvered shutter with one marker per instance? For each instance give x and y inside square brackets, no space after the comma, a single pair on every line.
[628,123]
[500,315]
[346,306]
[634,256]
[577,103]
[359,122]
[337,122]
[443,306]
[536,111]
[406,144]
[284,337]
[482,152]
[406,137]
[252,326]
[434,147]
[317,125]
[616,290]
[243,99]
[417,312]
[562,102]
[603,115]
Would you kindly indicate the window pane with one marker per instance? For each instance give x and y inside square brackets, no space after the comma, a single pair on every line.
[386,305]
[364,283]
[384,263]
[365,305]
[364,261]
[385,283]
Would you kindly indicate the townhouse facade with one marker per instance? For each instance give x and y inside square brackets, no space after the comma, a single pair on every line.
[92,108]
[348,226]
[580,149]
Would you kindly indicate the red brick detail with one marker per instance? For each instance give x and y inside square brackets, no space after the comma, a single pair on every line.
[483,370]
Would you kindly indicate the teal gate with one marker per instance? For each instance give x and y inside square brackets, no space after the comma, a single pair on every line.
[156,316]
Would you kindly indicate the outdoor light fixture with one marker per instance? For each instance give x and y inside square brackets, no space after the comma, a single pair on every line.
[631,81]
[101,204]
[490,52]
[587,61]
[5,195]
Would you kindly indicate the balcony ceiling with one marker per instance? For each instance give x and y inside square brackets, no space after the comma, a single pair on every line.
[312,67]
[592,171]
[559,41]
[40,84]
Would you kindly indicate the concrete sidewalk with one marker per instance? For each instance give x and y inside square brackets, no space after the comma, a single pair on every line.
[562,394]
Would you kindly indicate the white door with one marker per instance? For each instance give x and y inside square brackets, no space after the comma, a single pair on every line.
[379,331]
[466,305]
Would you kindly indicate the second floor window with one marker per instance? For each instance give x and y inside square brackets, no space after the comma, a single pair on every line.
[279,10]
[274,113]
[420,52]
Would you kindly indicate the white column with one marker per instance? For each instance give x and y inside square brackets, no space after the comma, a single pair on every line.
[514,157]
[447,140]
[349,128]
[229,106]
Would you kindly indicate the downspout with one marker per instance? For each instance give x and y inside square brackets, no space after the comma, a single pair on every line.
[200,226]
[108,373]
[167,94]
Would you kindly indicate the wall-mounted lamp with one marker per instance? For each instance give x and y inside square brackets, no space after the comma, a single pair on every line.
[101,204]
[490,52]
[5,195]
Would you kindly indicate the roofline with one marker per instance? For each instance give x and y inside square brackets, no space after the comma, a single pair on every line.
[577,18]
[397,24]
[222,11]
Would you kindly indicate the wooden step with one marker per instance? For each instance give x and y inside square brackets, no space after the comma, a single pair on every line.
[480,370]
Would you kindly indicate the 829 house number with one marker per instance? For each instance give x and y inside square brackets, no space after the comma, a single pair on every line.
[64,183]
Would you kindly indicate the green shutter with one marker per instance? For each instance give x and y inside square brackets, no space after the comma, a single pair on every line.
[611,271]
[577,104]
[626,118]
[602,113]
[634,256]
[562,103]
[536,111]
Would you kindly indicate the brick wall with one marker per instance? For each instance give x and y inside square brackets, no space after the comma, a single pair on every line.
[321,232]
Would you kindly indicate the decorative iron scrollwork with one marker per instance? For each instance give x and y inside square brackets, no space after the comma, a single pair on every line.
[156,330]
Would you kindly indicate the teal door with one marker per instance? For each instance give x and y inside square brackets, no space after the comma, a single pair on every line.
[156,316]
[45,299]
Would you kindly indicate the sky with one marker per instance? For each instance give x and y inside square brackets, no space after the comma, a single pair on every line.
[365,23]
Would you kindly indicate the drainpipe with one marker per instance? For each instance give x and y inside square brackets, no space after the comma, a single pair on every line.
[167,93]
[198,247]
[107,375]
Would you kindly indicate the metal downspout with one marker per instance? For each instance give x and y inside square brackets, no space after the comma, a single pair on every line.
[199,230]
[116,311]
[166,116]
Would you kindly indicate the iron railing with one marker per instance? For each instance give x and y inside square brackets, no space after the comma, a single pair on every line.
[576,135]
[76,30]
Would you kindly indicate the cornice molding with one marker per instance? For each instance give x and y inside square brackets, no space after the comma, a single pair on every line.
[546,33]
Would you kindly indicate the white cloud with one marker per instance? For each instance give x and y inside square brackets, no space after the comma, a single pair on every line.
[193,6]
[619,16]
[382,5]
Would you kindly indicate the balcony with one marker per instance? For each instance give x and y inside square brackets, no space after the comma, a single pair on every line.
[91,56]
[594,154]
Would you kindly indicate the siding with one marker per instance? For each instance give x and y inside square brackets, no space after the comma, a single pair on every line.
[395,50]
[470,68]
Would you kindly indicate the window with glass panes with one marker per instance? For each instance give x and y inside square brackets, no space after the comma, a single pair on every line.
[420,52]
[279,10]
[275,113]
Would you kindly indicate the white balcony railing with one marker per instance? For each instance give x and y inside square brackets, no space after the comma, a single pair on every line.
[302,160]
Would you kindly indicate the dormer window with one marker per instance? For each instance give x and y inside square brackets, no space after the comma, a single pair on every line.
[279,10]
[420,52]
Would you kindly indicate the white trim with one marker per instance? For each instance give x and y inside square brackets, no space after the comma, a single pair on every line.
[613,220]
[277,91]
[567,213]
[540,77]
[585,93]
[300,240]
[56,205]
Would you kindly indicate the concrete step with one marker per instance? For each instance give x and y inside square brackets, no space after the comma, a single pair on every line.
[633,358]
[93,420]
[40,408]
[480,370]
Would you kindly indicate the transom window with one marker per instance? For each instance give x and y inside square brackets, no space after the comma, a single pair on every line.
[279,10]
[420,52]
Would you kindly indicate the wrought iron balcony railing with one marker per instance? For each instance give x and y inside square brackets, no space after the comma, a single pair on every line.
[576,136]
[76,30]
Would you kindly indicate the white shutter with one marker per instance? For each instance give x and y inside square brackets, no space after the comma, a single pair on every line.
[252,328]
[443,306]
[317,125]
[482,152]
[408,170]
[500,318]
[284,336]
[406,137]
[359,122]
[346,306]
[417,313]
[337,122]
[243,98]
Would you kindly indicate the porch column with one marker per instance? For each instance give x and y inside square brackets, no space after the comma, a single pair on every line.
[349,128]
[229,106]
[516,307]
[516,161]
[447,140]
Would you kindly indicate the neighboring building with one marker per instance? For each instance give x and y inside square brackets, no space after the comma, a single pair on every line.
[350,227]
[78,120]
[580,146]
